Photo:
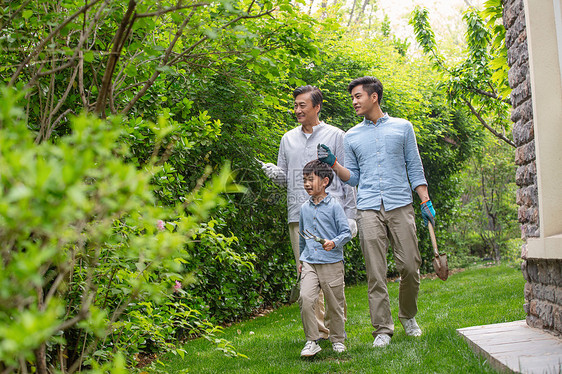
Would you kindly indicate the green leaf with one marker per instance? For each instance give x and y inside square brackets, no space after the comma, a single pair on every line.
[88,56]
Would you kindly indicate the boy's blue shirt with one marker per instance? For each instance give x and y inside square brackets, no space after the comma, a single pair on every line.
[326,220]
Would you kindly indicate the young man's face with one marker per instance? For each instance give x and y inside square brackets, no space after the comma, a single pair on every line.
[306,113]
[315,185]
[363,102]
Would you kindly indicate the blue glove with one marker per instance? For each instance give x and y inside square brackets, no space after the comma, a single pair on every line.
[325,155]
[428,213]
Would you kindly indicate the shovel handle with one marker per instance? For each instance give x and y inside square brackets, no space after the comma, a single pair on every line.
[433,240]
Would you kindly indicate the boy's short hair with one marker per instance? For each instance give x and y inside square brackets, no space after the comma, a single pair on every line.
[320,169]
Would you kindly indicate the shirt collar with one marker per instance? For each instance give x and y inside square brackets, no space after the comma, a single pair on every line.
[381,120]
[324,200]
[315,128]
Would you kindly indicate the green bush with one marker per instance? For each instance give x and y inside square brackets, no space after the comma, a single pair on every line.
[89,260]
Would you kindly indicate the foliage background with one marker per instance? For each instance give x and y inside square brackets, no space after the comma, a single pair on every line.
[188,90]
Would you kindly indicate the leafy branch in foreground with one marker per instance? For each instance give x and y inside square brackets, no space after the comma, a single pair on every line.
[86,253]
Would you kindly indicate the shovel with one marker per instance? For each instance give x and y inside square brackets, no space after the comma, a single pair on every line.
[439,260]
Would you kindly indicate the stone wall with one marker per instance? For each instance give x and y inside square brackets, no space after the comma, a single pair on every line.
[543,294]
[543,290]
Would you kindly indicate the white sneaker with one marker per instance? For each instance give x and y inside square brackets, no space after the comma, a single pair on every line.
[310,349]
[411,326]
[338,347]
[382,340]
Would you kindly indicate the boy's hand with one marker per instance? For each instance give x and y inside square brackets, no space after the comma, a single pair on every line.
[299,268]
[328,245]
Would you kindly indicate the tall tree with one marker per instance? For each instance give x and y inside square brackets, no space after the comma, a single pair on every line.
[105,55]
[479,82]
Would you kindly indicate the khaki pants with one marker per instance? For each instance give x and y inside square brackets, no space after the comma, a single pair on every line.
[330,279]
[319,309]
[376,230]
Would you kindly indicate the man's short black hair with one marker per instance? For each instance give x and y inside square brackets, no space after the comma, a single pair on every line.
[315,94]
[320,169]
[370,85]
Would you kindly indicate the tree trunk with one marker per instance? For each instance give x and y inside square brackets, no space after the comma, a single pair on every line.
[41,359]
[352,11]
[118,41]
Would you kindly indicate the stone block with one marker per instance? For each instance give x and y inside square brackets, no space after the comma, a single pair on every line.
[558,296]
[524,271]
[520,93]
[557,319]
[512,35]
[515,75]
[549,294]
[533,307]
[525,153]
[510,11]
[532,271]
[544,312]
[532,230]
[524,112]
[528,291]
[526,174]
[544,274]
[534,321]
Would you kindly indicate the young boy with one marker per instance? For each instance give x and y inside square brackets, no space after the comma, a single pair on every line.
[321,263]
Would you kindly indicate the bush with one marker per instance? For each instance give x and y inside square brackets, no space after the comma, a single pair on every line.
[88,260]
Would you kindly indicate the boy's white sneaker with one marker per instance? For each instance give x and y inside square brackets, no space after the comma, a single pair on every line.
[382,340]
[338,347]
[310,349]
[411,326]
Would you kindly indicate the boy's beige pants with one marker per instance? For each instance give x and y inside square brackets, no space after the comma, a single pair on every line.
[330,279]
[319,309]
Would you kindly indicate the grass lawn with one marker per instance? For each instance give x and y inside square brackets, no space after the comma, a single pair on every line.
[476,296]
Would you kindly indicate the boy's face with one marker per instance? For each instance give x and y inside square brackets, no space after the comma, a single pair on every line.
[315,185]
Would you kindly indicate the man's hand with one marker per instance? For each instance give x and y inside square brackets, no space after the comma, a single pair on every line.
[325,155]
[328,245]
[270,170]
[352,227]
[428,213]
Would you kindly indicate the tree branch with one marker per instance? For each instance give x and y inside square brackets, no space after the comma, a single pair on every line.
[44,42]
[118,42]
[172,9]
[485,124]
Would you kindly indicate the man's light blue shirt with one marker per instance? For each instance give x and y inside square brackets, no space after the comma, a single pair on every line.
[384,163]
[326,220]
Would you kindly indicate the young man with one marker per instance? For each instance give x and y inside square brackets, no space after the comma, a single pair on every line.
[382,159]
[324,232]
[298,146]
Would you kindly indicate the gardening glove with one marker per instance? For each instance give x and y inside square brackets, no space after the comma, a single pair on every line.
[352,227]
[325,155]
[270,170]
[428,213]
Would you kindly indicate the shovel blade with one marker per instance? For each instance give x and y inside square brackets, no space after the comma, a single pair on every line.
[441,267]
